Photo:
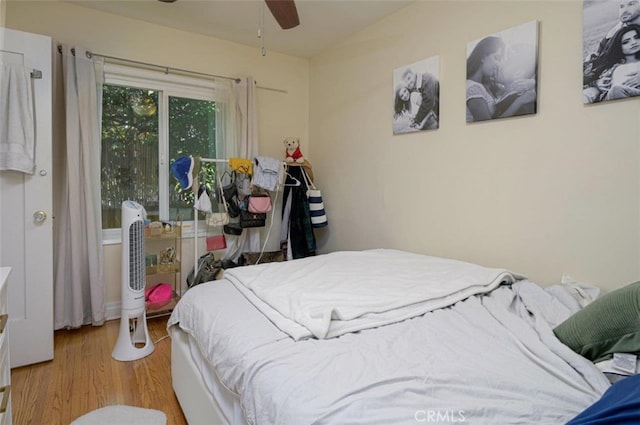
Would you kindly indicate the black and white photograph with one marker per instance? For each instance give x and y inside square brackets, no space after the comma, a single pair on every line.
[416,96]
[611,50]
[502,77]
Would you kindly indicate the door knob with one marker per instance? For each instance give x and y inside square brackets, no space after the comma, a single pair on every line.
[39,216]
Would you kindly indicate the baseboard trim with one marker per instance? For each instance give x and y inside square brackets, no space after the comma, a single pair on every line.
[113,310]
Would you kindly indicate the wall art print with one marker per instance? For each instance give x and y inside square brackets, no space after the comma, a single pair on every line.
[416,96]
[611,50]
[502,74]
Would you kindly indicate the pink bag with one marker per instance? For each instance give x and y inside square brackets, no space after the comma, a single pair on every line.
[216,242]
[159,294]
[259,204]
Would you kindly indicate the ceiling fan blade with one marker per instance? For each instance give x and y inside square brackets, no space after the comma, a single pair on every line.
[285,13]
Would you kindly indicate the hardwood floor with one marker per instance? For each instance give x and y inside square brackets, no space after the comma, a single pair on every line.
[83,376]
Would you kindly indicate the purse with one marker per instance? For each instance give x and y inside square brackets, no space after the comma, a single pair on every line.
[250,219]
[259,203]
[316,204]
[232,229]
[216,242]
[219,219]
[159,293]
[203,201]
[230,194]
[208,269]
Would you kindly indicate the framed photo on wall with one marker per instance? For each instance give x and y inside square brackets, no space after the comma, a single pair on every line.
[611,50]
[416,96]
[502,74]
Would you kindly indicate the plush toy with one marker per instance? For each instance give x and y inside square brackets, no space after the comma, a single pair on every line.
[293,152]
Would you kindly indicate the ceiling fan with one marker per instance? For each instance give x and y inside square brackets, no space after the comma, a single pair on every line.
[284,11]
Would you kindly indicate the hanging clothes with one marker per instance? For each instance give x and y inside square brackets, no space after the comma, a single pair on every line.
[241,165]
[300,237]
[268,172]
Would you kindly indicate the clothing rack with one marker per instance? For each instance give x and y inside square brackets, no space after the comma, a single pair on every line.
[195,216]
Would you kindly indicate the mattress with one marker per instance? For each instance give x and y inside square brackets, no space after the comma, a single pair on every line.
[488,358]
[202,402]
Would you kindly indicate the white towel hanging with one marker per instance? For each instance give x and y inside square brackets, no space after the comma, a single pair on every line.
[17,123]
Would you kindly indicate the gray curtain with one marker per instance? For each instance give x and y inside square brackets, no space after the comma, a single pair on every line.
[79,293]
[247,147]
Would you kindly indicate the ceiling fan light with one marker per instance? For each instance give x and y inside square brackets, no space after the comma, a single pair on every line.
[143,106]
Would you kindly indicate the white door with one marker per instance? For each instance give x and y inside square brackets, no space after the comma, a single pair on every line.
[25,215]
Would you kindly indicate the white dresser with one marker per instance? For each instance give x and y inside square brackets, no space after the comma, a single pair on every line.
[5,368]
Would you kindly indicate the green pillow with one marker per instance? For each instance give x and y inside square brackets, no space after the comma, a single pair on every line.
[610,324]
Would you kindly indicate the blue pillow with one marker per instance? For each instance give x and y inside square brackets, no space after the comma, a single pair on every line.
[619,405]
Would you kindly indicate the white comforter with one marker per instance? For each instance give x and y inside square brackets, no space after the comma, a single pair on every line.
[489,359]
[348,291]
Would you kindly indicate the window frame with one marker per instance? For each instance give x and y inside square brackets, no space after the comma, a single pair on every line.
[167,85]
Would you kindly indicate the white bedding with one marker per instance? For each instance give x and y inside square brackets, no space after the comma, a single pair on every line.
[348,291]
[489,359]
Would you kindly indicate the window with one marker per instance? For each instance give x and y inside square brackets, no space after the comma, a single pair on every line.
[149,120]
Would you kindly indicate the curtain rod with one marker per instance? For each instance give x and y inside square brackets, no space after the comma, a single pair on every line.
[168,69]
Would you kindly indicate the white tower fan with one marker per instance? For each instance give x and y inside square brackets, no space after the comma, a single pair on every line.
[133,341]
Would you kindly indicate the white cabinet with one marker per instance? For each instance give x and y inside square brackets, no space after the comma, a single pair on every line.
[5,365]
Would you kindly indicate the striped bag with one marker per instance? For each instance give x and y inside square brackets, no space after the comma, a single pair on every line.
[316,205]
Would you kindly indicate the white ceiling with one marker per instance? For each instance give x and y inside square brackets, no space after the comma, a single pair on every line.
[322,22]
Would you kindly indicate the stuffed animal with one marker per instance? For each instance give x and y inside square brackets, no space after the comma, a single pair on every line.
[293,152]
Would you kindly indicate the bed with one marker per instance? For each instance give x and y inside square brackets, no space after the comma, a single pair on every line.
[377,337]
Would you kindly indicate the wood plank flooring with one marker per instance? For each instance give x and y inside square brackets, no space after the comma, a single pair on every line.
[83,376]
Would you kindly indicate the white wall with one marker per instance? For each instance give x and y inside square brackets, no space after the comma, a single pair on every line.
[280,115]
[3,7]
[542,195]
